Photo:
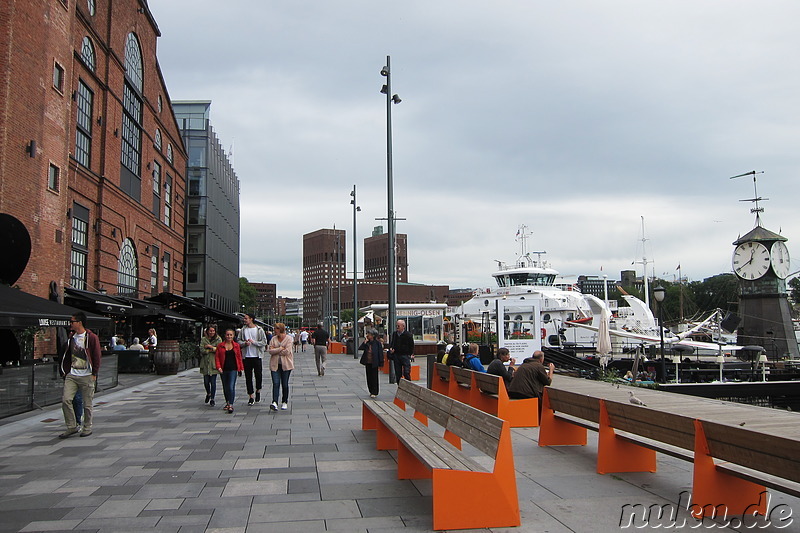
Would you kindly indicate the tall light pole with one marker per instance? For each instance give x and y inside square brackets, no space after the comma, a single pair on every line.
[356,209]
[659,293]
[392,272]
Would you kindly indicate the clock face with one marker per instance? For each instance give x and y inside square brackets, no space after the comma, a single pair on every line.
[751,260]
[780,259]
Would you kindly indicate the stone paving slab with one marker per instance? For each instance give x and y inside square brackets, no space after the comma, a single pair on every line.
[162,460]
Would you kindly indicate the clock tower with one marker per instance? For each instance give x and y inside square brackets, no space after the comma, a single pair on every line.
[761,262]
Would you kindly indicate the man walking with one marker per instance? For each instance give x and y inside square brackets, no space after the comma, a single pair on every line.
[402,348]
[252,340]
[320,338]
[79,365]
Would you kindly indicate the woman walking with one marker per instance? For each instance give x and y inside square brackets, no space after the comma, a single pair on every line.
[372,359]
[229,363]
[208,363]
[281,364]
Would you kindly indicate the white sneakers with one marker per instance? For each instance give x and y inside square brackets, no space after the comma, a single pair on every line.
[273,406]
[284,406]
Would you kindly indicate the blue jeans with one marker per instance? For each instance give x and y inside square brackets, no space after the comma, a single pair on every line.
[280,379]
[210,383]
[229,385]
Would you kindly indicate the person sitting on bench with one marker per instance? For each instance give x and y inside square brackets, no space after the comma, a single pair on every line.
[498,366]
[530,378]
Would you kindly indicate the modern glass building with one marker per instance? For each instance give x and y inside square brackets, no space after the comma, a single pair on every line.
[212,211]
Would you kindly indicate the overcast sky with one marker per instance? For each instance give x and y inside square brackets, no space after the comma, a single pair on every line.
[577,118]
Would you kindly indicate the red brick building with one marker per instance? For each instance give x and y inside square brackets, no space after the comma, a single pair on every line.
[91,157]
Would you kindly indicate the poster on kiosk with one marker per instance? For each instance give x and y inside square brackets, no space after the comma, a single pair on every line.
[519,326]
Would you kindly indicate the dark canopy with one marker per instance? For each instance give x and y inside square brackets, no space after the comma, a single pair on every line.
[19,309]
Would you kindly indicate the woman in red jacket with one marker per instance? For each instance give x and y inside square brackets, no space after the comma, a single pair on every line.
[229,363]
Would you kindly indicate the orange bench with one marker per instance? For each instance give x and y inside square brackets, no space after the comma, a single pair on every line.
[734,460]
[414,369]
[425,454]
[486,392]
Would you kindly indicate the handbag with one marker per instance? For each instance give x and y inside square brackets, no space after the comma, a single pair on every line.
[366,357]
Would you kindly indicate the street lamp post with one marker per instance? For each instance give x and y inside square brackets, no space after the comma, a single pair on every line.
[356,209]
[392,273]
[659,293]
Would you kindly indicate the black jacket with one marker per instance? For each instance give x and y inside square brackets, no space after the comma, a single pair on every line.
[403,343]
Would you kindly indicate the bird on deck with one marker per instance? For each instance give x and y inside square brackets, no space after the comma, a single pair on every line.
[634,400]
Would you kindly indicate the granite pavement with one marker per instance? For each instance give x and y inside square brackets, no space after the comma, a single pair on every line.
[160,459]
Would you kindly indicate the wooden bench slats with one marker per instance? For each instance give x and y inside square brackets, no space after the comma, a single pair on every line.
[671,429]
[438,453]
[772,454]
[487,383]
[443,371]
[759,478]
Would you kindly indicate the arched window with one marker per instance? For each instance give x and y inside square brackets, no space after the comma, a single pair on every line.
[133,61]
[87,53]
[131,152]
[90,4]
[169,153]
[158,139]
[127,270]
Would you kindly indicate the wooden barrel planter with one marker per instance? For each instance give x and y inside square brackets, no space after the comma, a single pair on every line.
[167,357]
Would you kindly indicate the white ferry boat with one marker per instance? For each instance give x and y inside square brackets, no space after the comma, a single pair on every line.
[538,310]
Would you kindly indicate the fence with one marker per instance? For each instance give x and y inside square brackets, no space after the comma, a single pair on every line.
[33,386]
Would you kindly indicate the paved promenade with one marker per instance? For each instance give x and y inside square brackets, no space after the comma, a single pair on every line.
[162,460]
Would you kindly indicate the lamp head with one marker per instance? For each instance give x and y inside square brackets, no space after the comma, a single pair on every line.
[396,99]
[385,71]
[384,89]
[358,208]
[659,293]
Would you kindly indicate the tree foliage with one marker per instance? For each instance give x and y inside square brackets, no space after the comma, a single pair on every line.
[247,295]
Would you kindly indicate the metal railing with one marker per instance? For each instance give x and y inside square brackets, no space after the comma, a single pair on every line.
[34,386]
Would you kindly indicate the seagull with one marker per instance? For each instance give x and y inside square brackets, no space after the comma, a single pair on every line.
[743,423]
[634,400]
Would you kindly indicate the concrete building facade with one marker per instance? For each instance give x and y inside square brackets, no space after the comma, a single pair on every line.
[376,257]
[324,260]
[91,159]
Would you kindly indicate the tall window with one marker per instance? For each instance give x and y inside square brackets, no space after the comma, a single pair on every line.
[87,53]
[127,267]
[157,141]
[156,188]
[169,153]
[165,274]
[90,4]
[168,200]
[80,246]
[154,266]
[131,153]
[83,131]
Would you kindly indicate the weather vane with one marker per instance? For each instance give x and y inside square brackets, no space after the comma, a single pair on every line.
[756,198]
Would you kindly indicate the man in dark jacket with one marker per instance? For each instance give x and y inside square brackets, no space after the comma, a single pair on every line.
[530,378]
[401,349]
[80,364]
[320,338]
[498,366]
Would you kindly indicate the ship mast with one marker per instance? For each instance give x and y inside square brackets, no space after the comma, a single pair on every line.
[524,258]
[644,262]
